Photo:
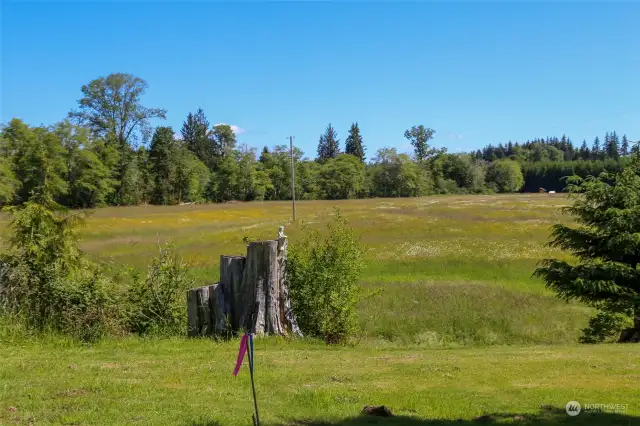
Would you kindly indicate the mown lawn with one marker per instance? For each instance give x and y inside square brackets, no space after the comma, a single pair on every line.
[180,382]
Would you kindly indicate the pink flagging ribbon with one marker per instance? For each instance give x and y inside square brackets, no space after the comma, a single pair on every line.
[243,350]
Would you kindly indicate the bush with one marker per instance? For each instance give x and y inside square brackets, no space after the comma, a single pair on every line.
[605,327]
[156,304]
[323,274]
[87,305]
[47,282]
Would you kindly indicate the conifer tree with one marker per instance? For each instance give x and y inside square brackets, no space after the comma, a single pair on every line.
[196,135]
[624,148]
[329,145]
[596,150]
[611,147]
[354,144]
[585,152]
[605,245]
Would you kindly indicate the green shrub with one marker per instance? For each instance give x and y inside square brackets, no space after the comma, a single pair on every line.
[47,282]
[323,274]
[87,305]
[156,304]
[606,327]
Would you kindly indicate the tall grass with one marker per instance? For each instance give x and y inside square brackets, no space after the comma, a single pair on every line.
[446,270]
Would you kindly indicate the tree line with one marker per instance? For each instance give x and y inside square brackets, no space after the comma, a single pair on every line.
[106,153]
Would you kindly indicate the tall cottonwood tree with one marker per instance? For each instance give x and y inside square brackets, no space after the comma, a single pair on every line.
[419,136]
[112,108]
[224,139]
[162,155]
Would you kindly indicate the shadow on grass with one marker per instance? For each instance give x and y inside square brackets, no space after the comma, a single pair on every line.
[547,417]
[203,423]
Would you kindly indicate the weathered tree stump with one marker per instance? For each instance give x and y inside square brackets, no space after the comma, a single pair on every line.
[231,273]
[252,295]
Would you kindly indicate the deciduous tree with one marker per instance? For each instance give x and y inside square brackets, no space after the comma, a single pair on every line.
[419,136]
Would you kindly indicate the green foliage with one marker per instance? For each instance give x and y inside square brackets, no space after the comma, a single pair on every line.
[162,154]
[9,184]
[38,160]
[99,160]
[606,243]
[329,144]
[226,177]
[90,180]
[551,175]
[605,327]
[505,176]
[156,304]
[396,175]
[341,178]
[353,144]
[87,304]
[46,279]
[111,107]
[223,139]
[197,137]
[323,274]
[419,136]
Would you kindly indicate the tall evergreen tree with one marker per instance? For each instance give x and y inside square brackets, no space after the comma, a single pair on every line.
[596,150]
[354,144]
[624,148]
[611,147]
[329,144]
[196,135]
[585,152]
[605,274]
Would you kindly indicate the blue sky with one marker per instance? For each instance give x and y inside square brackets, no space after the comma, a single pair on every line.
[477,73]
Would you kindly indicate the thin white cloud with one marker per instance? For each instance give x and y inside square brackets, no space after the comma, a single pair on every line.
[454,136]
[236,129]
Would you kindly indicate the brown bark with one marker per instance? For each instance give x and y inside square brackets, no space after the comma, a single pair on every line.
[231,273]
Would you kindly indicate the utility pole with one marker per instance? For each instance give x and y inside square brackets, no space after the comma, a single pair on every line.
[293,178]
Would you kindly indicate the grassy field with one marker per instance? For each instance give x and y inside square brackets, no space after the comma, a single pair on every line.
[443,271]
[454,328]
[180,382]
